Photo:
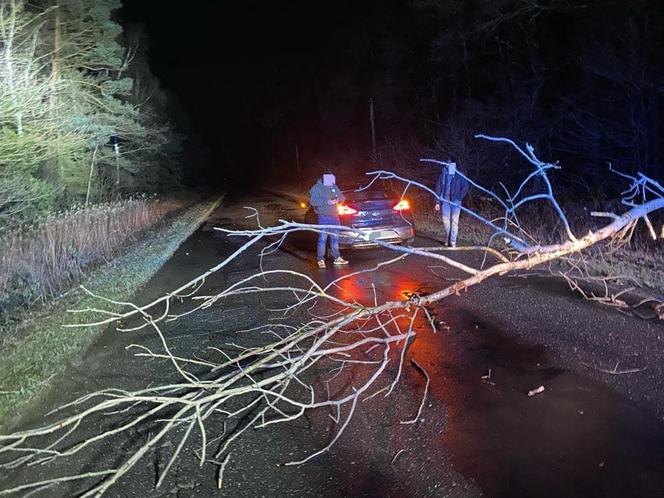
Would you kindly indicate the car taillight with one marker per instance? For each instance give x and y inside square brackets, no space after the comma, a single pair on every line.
[342,210]
[402,205]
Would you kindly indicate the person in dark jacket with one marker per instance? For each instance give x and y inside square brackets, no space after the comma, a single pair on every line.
[324,197]
[451,187]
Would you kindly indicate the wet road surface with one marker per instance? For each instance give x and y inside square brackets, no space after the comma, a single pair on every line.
[479,433]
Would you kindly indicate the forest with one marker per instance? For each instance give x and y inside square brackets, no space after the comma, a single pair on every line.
[88,87]
[82,118]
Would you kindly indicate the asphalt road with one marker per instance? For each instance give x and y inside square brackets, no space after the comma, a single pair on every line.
[588,434]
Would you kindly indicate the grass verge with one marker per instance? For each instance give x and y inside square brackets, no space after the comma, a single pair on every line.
[40,261]
[40,348]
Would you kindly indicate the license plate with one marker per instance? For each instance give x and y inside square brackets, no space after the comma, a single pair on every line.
[383,234]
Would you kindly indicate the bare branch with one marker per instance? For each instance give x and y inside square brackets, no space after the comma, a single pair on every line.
[274,382]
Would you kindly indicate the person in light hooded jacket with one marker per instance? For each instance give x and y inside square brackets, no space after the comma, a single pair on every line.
[324,197]
[451,187]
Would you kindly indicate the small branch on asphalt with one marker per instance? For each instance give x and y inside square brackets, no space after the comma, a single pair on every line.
[424,396]
[220,474]
[394,458]
[615,370]
[486,379]
[484,249]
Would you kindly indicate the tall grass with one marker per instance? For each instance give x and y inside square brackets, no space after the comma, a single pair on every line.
[50,256]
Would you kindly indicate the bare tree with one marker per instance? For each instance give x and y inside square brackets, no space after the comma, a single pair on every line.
[615,116]
[271,383]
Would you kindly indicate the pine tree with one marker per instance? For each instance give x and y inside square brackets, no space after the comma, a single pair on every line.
[28,133]
[73,125]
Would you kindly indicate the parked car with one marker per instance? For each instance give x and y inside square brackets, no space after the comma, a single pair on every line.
[373,211]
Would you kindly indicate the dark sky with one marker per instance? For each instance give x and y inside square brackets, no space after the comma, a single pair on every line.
[237,69]
[249,80]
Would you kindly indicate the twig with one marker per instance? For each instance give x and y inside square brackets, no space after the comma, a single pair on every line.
[394,458]
[424,396]
[615,370]
[222,467]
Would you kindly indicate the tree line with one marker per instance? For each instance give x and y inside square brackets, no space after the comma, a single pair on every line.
[82,118]
[582,81]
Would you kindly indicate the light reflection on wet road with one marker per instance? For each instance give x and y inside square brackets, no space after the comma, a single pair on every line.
[578,438]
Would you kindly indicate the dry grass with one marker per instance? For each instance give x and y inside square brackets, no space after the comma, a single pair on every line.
[42,260]
[39,348]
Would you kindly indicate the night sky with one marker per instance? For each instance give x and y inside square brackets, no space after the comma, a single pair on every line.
[250,80]
[235,71]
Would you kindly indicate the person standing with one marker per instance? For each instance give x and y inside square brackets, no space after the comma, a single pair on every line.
[324,197]
[451,187]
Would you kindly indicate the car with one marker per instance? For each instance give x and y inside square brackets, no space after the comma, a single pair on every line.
[373,212]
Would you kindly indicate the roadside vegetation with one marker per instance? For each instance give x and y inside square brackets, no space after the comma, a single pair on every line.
[52,255]
[82,119]
[36,349]
[86,153]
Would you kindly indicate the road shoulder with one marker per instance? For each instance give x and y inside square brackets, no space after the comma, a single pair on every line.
[40,348]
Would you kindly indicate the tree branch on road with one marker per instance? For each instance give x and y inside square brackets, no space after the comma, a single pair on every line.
[275,376]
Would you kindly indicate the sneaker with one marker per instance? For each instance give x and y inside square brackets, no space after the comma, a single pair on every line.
[321,263]
[340,261]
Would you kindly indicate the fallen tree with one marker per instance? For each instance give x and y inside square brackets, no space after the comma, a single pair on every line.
[256,386]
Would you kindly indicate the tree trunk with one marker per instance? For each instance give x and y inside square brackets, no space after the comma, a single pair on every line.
[55,77]
[372,123]
[9,65]
[92,168]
